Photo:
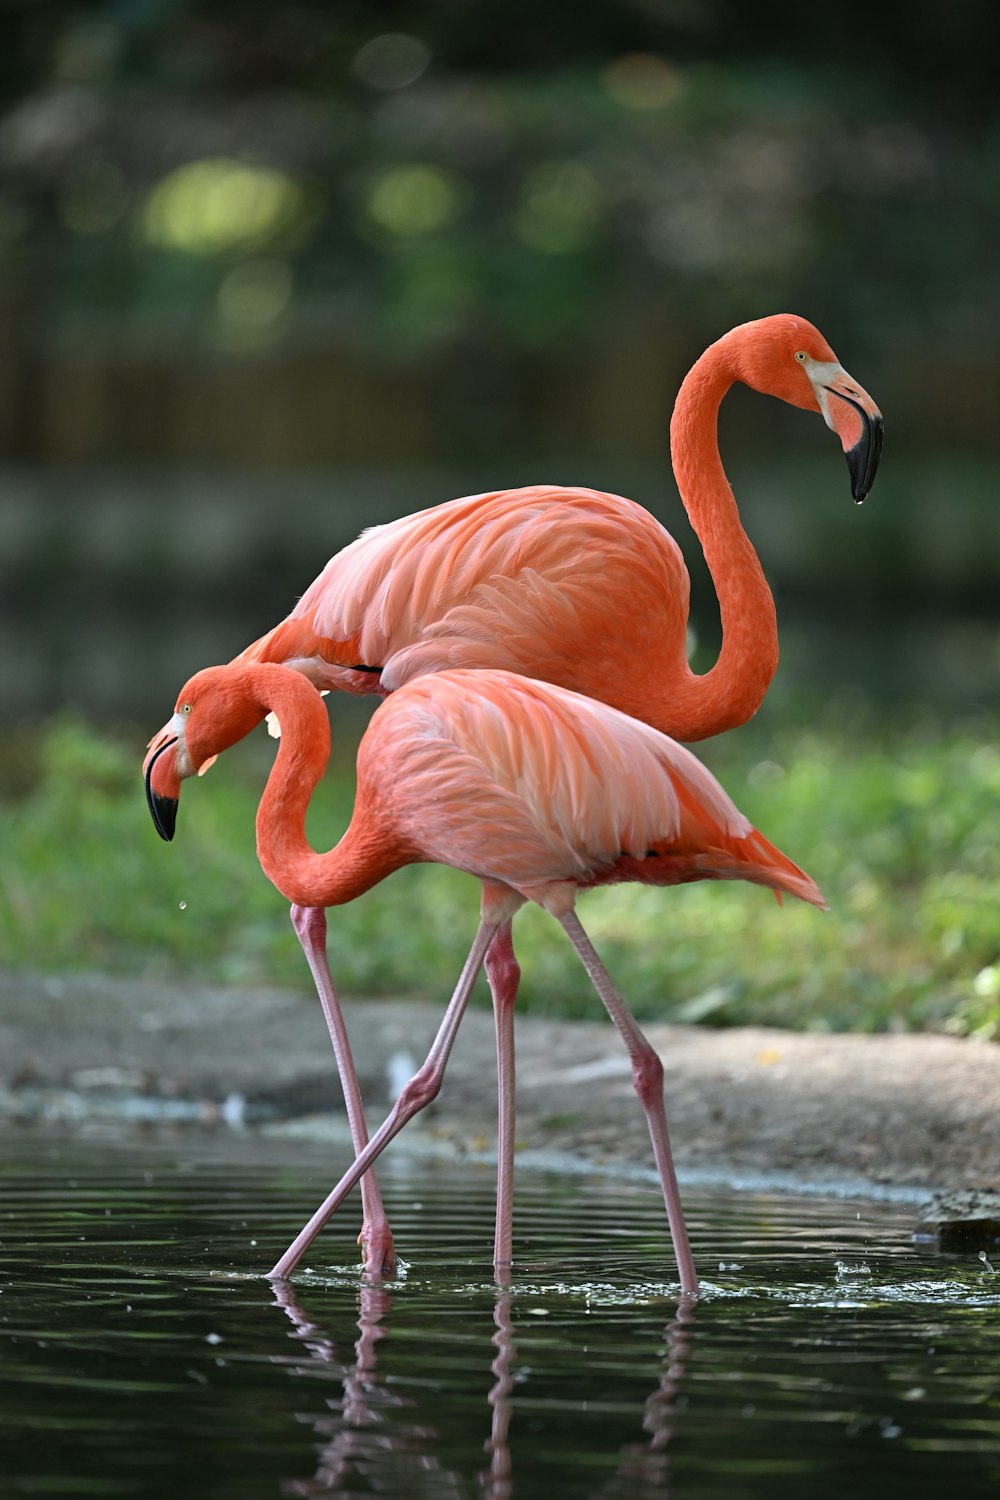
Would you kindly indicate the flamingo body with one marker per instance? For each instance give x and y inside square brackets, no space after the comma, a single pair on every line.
[576,586]
[534,788]
[537,791]
[547,581]
[580,589]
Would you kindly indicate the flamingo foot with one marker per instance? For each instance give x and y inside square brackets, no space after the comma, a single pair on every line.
[378,1250]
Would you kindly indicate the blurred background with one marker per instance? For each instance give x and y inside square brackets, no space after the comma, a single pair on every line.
[272,273]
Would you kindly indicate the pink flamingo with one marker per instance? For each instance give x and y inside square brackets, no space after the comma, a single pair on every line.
[537,791]
[572,586]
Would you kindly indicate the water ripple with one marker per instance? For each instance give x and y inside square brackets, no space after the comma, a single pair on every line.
[144,1352]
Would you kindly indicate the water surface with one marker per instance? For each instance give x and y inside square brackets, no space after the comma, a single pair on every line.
[143,1352]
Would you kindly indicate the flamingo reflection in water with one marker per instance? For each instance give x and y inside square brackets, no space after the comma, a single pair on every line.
[375,1435]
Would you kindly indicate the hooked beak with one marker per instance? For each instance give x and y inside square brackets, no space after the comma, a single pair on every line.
[863,455]
[162,805]
[850,412]
[166,765]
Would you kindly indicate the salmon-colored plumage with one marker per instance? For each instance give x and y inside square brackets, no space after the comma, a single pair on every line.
[576,586]
[536,791]
[570,586]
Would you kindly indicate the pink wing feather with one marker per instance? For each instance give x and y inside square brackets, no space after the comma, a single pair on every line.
[507,580]
[522,782]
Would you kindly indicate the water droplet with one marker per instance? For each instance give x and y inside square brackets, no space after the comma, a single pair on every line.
[183,906]
[846,1270]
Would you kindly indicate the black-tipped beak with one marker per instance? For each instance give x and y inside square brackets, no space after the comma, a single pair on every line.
[862,459]
[163,810]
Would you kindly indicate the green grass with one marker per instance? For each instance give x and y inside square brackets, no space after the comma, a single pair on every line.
[900,833]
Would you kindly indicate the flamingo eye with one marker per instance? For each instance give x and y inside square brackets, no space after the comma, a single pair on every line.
[801,356]
[185,708]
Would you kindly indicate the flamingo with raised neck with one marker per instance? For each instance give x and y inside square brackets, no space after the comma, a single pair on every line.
[569,585]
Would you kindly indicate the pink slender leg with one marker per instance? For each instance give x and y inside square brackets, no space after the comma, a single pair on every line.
[647,1076]
[376,1236]
[421,1089]
[504,975]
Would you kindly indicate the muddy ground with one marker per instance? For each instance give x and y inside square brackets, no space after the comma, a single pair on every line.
[883,1113]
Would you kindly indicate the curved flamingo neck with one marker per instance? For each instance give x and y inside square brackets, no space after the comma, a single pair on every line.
[303,875]
[731,692]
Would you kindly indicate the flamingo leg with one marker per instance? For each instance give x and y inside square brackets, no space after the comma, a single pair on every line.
[376,1236]
[415,1096]
[647,1076]
[504,975]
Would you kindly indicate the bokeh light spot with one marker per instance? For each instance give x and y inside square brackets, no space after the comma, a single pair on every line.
[413,200]
[219,204]
[560,207]
[392,61]
[252,300]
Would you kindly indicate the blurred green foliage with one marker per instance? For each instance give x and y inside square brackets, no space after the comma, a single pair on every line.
[898,842]
[419,249]
[502,195]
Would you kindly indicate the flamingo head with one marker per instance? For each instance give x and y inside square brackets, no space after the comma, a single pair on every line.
[785,356]
[211,715]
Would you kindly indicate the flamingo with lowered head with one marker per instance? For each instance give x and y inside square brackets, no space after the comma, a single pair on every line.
[571,586]
[537,791]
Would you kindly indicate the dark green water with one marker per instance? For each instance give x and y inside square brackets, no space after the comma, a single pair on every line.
[142,1353]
